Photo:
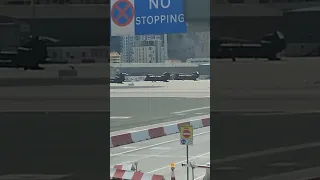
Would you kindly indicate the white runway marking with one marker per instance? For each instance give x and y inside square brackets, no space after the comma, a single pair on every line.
[161,156]
[248,155]
[180,114]
[161,148]
[267,152]
[130,147]
[200,177]
[119,117]
[295,175]
[190,110]
[283,164]
[180,162]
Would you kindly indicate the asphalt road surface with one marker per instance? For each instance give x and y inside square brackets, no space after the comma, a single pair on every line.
[148,103]
[156,155]
[47,91]
[72,143]
[55,98]
[264,118]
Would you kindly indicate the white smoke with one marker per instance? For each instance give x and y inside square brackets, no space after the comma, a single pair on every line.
[189,45]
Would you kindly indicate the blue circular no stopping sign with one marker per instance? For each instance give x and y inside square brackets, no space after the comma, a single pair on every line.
[183,141]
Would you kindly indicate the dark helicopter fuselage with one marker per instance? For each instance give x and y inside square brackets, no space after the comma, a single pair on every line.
[268,47]
[27,56]
[119,79]
[164,77]
[194,76]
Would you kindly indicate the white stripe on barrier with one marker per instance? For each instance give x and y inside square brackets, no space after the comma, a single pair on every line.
[171,129]
[140,136]
[111,145]
[128,175]
[196,124]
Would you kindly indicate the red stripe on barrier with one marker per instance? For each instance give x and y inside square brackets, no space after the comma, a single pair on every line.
[119,174]
[184,123]
[157,177]
[156,132]
[205,122]
[117,166]
[137,176]
[122,139]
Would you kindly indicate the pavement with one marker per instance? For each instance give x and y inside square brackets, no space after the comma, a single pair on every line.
[55,98]
[64,124]
[257,145]
[265,118]
[148,103]
[54,126]
[156,155]
[70,143]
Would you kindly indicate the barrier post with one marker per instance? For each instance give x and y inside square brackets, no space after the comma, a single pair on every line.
[173,176]
[136,165]
[192,168]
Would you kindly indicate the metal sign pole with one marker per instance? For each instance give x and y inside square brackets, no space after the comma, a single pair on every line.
[187,162]
[192,173]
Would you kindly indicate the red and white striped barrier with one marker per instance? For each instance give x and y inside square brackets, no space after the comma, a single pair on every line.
[133,137]
[126,167]
[133,175]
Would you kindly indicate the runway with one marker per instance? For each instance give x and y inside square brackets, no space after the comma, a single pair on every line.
[55,98]
[265,117]
[291,85]
[156,155]
[148,103]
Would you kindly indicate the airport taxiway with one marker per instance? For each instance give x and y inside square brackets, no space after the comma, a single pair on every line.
[265,117]
[147,103]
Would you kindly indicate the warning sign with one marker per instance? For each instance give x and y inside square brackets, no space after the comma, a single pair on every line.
[186,135]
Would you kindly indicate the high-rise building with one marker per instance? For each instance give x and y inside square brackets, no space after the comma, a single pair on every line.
[144,49]
[126,45]
[149,51]
[115,57]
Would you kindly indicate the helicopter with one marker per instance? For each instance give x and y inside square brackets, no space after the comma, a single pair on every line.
[164,77]
[193,76]
[28,56]
[267,47]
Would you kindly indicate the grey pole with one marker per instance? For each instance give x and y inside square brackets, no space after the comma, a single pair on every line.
[187,162]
